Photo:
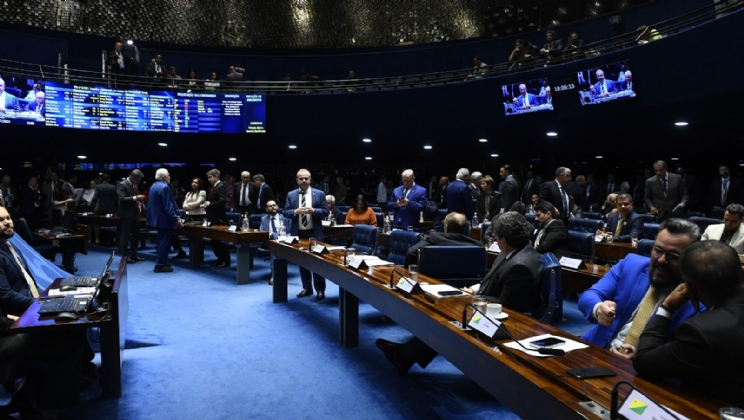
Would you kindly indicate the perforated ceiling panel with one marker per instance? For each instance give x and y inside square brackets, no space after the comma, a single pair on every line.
[302,23]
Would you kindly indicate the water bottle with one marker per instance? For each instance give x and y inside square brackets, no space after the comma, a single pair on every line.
[386,226]
[333,221]
[245,224]
[475,221]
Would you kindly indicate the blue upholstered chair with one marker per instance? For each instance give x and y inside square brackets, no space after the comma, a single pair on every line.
[704,222]
[592,215]
[233,217]
[400,241]
[364,239]
[380,219]
[695,214]
[484,228]
[46,251]
[458,266]
[550,310]
[254,221]
[532,220]
[585,225]
[582,243]
[644,247]
[343,207]
[650,230]
[648,218]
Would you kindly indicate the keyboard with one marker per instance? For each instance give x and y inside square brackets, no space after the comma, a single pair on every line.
[81,281]
[57,305]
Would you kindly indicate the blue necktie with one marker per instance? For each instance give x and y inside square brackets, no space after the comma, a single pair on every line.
[259,197]
[273,226]
[663,185]
[565,202]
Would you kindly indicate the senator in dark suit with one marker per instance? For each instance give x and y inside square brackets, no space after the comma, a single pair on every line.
[706,352]
[553,233]
[243,194]
[162,214]
[119,61]
[725,190]
[459,197]
[30,204]
[263,192]
[455,234]
[630,222]
[108,201]
[509,189]
[555,193]
[129,213]
[529,187]
[215,206]
[514,281]
[307,208]
[665,192]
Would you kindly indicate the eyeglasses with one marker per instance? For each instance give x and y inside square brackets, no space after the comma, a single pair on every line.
[657,252]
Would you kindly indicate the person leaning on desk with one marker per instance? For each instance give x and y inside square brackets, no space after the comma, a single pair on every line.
[514,282]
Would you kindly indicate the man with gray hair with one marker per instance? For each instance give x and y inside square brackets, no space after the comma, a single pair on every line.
[458,196]
[555,192]
[475,190]
[333,212]
[162,214]
[514,281]
[129,213]
[731,231]
[243,195]
[408,201]
[666,193]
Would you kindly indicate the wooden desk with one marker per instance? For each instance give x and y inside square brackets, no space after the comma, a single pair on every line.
[530,386]
[113,325]
[242,240]
[475,233]
[97,219]
[614,251]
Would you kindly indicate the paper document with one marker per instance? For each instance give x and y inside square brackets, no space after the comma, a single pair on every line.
[82,291]
[570,345]
[335,248]
[434,289]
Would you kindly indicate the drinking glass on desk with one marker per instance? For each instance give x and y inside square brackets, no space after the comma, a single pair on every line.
[609,238]
[413,271]
[313,242]
[634,239]
[480,303]
[730,413]
[350,252]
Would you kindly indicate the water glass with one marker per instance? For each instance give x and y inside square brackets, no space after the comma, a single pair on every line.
[609,238]
[634,239]
[413,272]
[480,303]
[410,228]
[313,242]
[350,252]
[730,413]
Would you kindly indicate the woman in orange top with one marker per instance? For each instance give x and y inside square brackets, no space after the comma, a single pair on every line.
[361,214]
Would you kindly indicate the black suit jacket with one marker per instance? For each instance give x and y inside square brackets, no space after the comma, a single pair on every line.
[441,239]
[29,198]
[514,283]
[509,193]
[113,61]
[554,239]
[529,186]
[705,354]
[108,200]
[266,194]
[633,224]
[493,209]
[217,197]
[549,192]
[14,291]
[251,197]
[734,192]
[127,206]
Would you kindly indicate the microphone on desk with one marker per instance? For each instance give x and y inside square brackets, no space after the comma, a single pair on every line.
[502,328]
[416,288]
[614,415]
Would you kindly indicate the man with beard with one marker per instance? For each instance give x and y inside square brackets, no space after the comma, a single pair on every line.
[731,231]
[622,302]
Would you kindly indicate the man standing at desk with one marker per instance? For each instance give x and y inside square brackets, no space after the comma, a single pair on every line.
[215,205]
[162,214]
[622,301]
[666,193]
[459,195]
[129,214]
[409,200]
[307,208]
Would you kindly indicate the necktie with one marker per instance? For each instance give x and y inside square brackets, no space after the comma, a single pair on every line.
[645,310]
[244,196]
[565,211]
[619,226]
[258,204]
[604,87]
[405,194]
[539,237]
[303,217]
[664,186]
[724,190]
[273,226]
[29,279]
[134,195]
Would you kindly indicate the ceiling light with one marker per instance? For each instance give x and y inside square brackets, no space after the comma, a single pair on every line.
[367,140]
[82,157]
[494,155]
[368,158]
[292,146]
[427,147]
[233,159]
[163,144]
[130,42]
[599,157]
[681,123]
[551,133]
[675,158]
[483,140]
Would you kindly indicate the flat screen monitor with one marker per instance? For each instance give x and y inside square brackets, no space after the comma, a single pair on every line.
[608,83]
[527,97]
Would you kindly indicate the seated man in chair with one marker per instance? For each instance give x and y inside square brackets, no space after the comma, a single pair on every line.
[455,234]
[731,231]
[277,225]
[623,224]
[514,281]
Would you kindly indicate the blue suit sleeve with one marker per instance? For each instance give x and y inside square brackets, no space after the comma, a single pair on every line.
[289,207]
[604,289]
[320,206]
[419,201]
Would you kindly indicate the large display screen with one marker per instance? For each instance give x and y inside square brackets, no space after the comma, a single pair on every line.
[103,108]
[526,97]
[606,83]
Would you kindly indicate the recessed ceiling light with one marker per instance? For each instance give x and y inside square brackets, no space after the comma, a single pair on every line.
[599,157]
[163,144]
[681,123]
[427,147]
[367,140]
[130,42]
[675,158]
[551,133]
[292,146]
[82,157]
[483,140]
[233,159]
[368,158]
[494,155]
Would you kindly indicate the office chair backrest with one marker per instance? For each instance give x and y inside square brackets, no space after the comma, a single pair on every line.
[582,243]
[648,218]
[254,221]
[704,222]
[644,247]
[585,225]
[592,215]
[458,266]
[24,231]
[550,311]
[233,217]
[400,241]
[650,230]
[364,239]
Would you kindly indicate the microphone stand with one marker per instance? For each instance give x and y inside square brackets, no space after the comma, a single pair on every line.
[416,287]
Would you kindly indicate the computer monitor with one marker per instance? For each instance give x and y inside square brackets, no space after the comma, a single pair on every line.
[608,83]
[527,97]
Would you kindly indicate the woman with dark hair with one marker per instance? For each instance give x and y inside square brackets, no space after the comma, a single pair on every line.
[361,214]
[212,84]
[192,82]
[194,199]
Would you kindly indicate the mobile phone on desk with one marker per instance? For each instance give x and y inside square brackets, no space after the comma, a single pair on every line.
[450,293]
[590,372]
[546,343]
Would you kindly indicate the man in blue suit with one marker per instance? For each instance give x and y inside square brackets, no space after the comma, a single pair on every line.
[162,214]
[459,196]
[525,99]
[603,87]
[622,301]
[409,200]
[277,225]
[628,220]
[307,208]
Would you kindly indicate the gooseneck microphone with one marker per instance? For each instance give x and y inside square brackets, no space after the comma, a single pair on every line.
[416,287]
[502,327]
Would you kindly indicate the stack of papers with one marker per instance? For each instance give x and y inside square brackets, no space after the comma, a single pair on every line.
[570,345]
[434,289]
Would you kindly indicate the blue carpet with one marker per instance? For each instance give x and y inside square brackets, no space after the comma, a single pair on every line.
[201,347]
